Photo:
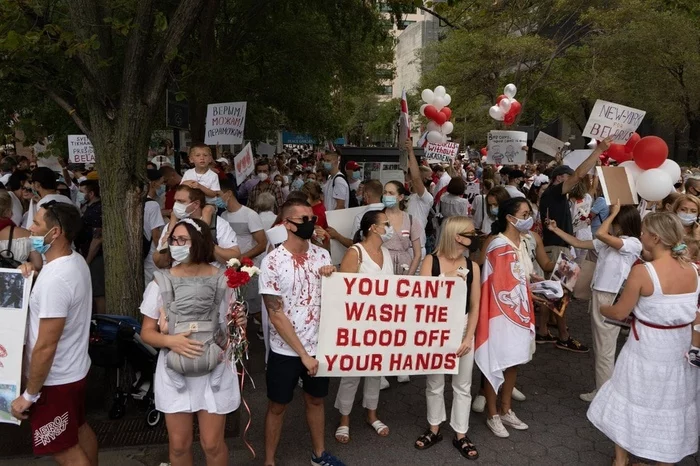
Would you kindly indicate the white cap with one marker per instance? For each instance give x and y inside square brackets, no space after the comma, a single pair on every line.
[223,160]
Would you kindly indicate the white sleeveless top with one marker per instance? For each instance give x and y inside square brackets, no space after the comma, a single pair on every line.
[367,265]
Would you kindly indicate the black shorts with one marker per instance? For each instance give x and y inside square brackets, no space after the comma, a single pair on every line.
[283,373]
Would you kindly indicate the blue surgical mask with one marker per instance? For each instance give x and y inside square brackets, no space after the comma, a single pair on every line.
[81,198]
[389,201]
[388,233]
[494,211]
[327,165]
[38,243]
[356,175]
[297,184]
[220,203]
[160,191]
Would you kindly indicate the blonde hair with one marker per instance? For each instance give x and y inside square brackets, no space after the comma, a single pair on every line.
[668,228]
[199,146]
[447,246]
[683,198]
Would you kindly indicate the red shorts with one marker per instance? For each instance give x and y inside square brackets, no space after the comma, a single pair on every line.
[56,417]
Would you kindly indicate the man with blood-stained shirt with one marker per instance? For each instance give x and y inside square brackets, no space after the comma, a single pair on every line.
[290,284]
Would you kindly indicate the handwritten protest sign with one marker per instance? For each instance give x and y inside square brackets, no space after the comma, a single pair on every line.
[506,147]
[244,164]
[441,153]
[80,149]
[14,302]
[390,325]
[613,120]
[548,144]
[225,123]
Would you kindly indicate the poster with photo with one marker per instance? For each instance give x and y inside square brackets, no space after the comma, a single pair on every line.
[566,270]
[14,304]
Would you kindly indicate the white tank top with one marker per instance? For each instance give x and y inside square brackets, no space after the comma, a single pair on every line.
[367,265]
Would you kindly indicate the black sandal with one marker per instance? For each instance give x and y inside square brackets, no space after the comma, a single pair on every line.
[428,439]
[465,447]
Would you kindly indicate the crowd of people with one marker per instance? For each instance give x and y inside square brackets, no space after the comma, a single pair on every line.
[431,223]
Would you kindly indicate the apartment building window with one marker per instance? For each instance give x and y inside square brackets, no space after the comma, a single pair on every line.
[386,90]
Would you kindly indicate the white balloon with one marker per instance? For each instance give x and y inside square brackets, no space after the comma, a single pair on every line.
[440,91]
[427,96]
[448,99]
[654,185]
[444,139]
[505,104]
[422,109]
[435,137]
[632,168]
[432,126]
[448,127]
[672,168]
[496,113]
[510,90]
[592,143]
[438,102]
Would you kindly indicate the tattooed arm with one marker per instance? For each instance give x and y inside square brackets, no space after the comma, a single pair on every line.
[275,309]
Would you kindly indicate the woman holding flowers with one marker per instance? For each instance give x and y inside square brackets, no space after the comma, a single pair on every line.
[185,313]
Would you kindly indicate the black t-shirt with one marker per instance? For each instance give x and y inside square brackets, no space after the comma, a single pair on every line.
[555,204]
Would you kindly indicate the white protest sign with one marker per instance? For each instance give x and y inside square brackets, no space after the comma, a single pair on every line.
[441,153]
[506,147]
[244,164]
[613,120]
[375,325]
[225,123]
[49,162]
[80,149]
[14,302]
[548,144]
[342,221]
[576,157]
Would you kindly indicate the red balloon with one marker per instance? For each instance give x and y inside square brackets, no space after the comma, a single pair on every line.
[440,118]
[515,108]
[447,111]
[484,151]
[430,112]
[509,119]
[500,97]
[617,152]
[632,141]
[650,152]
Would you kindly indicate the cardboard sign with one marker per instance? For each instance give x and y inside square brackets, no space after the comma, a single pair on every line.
[14,302]
[441,153]
[225,123]
[80,149]
[617,184]
[613,120]
[506,148]
[375,325]
[548,144]
[342,220]
[244,164]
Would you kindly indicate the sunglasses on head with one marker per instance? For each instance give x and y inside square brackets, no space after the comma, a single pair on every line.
[468,234]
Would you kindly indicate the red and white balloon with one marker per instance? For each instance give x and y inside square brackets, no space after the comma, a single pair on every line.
[507,108]
[646,160]
[436,110]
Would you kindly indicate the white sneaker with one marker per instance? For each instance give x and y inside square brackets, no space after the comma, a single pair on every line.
[517,395]
[511,420]
[496,427]
[588,397]
[403,379]
[479,404]
[384,384]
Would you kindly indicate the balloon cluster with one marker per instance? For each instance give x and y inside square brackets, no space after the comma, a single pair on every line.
[436,110]
[506,108]
[649,166]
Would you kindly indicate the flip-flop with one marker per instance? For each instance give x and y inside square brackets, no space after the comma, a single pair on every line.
[379,426]
[342,434]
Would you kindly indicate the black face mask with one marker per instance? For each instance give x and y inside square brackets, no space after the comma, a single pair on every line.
[305,230]
[427,183]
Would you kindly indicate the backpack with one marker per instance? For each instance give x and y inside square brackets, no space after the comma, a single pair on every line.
[353,193]
[192,304]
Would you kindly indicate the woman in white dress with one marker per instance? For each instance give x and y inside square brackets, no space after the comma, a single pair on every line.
[648,407]
[365,256]
[15,242]
[210,396]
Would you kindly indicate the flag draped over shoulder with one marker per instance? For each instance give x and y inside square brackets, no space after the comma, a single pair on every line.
[506,324]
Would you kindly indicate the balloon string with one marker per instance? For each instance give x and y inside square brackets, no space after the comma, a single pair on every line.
[242,376]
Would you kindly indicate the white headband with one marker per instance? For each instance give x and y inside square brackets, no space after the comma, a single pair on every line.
[189,221]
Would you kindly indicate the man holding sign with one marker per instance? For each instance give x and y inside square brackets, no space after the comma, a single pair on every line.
[290,284]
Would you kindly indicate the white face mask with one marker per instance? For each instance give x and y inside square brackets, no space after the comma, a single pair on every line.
[278,183]
[388,233]
[262,176]
[687,219]
[180,253]
[180,210]
[524,226]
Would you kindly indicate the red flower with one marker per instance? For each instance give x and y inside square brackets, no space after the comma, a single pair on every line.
[246,262]
[236,279]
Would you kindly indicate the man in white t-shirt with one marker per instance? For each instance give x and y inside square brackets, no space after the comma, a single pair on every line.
[290,284]
[515,179]
[252,242]
[7,167]
[443,179]
[336,192]
[60,308]
[188,204]
[420,201]
[44,182]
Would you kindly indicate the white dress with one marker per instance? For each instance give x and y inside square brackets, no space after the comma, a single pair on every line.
[648,407]
[198,394]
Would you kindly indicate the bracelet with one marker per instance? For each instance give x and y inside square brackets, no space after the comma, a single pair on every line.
[31,398]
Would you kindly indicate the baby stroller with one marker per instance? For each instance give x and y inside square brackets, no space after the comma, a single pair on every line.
[114,342]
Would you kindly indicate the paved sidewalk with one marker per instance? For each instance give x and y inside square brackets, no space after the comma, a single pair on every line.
[559,432]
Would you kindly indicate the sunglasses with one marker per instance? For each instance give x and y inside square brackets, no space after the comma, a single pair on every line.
[468,234]
[26,190]
[304,219]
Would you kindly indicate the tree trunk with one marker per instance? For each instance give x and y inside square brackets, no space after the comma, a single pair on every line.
[694,141]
